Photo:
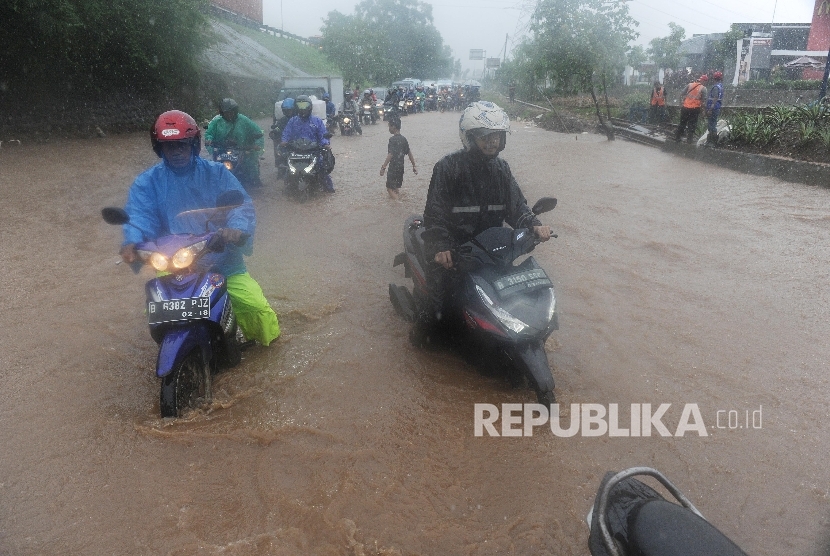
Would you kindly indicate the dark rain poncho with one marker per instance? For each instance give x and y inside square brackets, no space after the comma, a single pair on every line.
[469,193]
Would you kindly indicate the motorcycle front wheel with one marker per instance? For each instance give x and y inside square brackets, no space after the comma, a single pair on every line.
[187,386]
[229,353]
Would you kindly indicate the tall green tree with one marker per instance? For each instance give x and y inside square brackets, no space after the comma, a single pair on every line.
[721,54]
[665,51]
[637,56]
[385,40]
[579,45]
[99,44]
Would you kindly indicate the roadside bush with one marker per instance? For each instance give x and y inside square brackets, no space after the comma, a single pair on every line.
[799,131]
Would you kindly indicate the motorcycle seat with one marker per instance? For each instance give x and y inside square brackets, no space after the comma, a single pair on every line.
[660,528]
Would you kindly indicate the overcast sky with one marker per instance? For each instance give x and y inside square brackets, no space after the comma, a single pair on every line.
[468,24]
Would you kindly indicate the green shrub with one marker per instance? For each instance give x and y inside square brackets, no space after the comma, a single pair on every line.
[637,99]
[99,45]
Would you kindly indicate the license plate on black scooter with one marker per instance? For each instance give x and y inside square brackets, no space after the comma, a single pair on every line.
[172,310]
[525,281]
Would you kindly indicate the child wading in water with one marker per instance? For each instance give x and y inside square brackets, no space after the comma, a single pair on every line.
[398,149]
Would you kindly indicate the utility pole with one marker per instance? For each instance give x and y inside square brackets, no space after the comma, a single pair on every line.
[823,91]
[504,52]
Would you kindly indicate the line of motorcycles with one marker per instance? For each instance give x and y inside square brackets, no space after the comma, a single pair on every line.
[433,102]
[349,122]
[502,315]
[191,318]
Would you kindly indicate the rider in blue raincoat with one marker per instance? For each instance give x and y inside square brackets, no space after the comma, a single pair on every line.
[181,182]
[306,126]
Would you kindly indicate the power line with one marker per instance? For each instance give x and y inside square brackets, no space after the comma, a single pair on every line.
[680,18]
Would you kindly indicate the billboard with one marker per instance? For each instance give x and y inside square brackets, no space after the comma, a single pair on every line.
[476,54]
[493,63]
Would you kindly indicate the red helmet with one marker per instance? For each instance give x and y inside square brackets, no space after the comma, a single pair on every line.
[175,125]
[703,77]
[717,75]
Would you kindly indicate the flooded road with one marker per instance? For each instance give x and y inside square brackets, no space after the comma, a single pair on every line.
[679,283]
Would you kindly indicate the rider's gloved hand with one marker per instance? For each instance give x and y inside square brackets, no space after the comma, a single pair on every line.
[128,253]
[444,258]
[542,232]
[232,235]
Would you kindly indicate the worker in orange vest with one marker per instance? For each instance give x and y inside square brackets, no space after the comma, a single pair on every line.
[693,98]
[658,103]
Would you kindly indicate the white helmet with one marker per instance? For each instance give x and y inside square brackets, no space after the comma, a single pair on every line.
[482,118]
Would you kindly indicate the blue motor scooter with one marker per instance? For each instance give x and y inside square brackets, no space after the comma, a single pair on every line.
[188,308]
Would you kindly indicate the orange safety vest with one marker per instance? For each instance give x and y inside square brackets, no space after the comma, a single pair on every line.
[658,97]
[692,100]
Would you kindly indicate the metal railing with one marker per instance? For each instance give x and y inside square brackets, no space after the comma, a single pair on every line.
[248,22]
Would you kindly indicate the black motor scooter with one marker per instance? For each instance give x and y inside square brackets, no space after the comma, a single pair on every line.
[629,518]
[502,314]
[307,165]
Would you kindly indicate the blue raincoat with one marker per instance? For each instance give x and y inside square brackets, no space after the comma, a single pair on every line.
[313,129]
[160,193]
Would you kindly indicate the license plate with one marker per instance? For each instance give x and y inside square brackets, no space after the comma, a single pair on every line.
[190,308]
[526,281]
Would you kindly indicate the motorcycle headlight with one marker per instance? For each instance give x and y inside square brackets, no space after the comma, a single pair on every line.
[508,320]
[159,262]
[310,167]
[346,120]
[228,164]
[552,305]
[184,257]
[366,106]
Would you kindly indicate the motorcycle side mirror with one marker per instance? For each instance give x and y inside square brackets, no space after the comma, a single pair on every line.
[115,216]
[230,198]
[545,204]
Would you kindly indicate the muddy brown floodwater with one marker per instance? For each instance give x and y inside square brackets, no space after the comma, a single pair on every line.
[678,283]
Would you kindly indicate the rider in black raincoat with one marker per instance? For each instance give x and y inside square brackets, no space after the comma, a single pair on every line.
[470,190]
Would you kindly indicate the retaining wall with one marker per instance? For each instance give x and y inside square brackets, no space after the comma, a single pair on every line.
[795,171]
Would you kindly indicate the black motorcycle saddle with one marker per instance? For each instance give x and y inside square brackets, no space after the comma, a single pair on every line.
[660,528]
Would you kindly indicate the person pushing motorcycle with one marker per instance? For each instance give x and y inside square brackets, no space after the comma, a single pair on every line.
[184,181]
[471,190]
[231,127]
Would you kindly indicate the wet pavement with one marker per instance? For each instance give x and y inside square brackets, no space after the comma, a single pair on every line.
[677,282]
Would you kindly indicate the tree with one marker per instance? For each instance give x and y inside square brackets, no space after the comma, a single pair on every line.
[102,44]
[721,53]
[665,51]
[350,43]
[577,42]
[637,56]
[386,40]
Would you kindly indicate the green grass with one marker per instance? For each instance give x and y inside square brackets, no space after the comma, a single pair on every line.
[310,59]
